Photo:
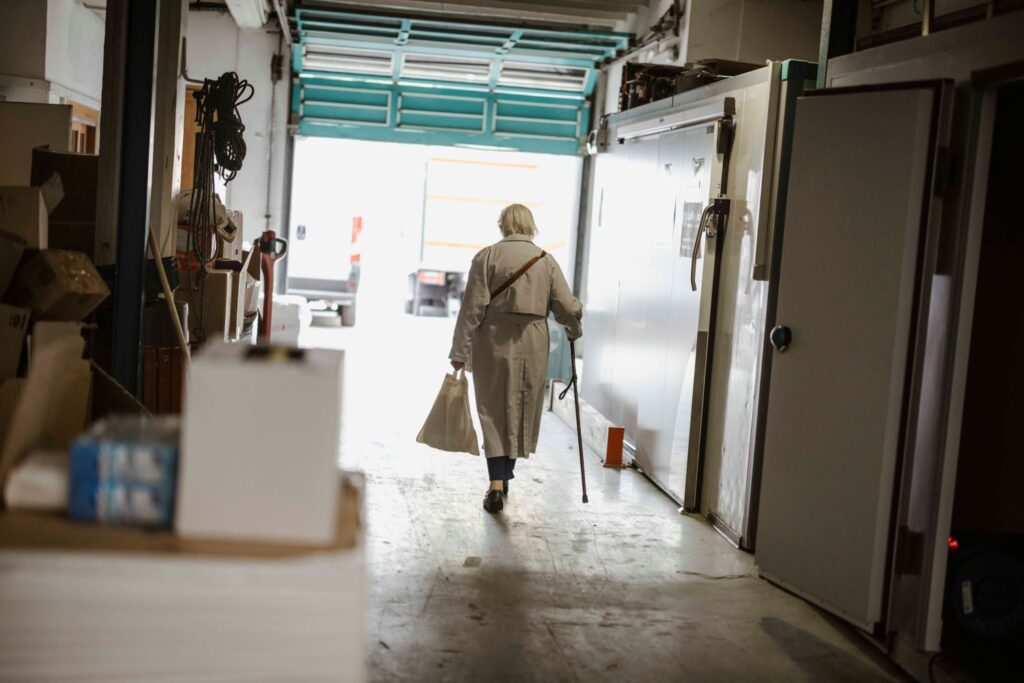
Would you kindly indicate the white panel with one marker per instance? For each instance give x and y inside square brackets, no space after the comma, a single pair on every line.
[602,285]
[847,291]
[680,191]
[216,45]
[74,49]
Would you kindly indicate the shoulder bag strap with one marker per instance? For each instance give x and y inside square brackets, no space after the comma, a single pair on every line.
[518,274]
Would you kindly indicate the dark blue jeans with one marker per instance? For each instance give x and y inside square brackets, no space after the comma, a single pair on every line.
[501,468]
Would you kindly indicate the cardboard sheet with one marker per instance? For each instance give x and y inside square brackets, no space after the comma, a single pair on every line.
[54,403]
[23,213]
[73,216]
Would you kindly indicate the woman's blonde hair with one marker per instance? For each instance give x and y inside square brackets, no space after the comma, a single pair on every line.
[516,219]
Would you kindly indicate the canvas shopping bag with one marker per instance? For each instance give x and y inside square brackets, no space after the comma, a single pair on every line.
[449,426]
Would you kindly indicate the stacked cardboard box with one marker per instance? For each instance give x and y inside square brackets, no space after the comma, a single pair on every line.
[72,219]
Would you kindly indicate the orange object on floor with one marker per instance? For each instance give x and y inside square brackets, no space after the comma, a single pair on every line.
[613,452]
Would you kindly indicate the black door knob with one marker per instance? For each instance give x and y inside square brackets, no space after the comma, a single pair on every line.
[780,337]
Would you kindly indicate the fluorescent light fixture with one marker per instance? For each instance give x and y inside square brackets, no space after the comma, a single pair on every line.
[703,113]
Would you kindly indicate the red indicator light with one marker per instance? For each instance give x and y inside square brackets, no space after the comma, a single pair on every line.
[953,543]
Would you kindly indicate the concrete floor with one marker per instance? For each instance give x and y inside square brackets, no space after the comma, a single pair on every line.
[622,589]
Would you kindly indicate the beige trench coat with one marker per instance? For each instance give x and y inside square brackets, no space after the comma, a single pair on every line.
[507,340]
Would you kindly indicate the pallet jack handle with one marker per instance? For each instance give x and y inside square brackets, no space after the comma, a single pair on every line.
[574,383]
[272,249]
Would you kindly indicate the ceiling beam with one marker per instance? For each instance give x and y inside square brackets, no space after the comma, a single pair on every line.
[531,10]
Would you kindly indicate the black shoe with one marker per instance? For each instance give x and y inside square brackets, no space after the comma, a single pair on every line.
[494,501]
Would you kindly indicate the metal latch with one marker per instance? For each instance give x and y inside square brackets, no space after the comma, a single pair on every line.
[712,220]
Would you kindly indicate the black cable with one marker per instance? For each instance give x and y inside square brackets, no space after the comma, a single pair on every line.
[224,97]
[219,149]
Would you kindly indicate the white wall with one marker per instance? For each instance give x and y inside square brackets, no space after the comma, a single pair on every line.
[50,51]
[74,49]
[216,45]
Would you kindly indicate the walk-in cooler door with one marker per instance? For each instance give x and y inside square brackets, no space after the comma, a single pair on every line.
[859,223]
[680,190]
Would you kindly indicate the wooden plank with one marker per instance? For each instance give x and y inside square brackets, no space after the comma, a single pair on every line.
[191,131]
[595,426]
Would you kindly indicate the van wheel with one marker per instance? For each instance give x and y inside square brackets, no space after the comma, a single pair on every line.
[348,315]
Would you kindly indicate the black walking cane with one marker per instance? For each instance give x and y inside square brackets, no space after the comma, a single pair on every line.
[579,430]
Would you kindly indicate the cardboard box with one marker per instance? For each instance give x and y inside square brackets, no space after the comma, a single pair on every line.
[158,326]
[59,285]
[216,305]
[53,406]
[61,396]
[253,276]
[73,213]
[25,126]
[239,288]
[12,248]
[46,333]
[78,178]
[23,213]
[290,315]
[254,484]
[13,325]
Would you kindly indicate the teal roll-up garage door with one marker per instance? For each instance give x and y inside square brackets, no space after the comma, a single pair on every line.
[433,82]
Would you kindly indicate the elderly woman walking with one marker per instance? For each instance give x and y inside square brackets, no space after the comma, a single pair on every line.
[502,332]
